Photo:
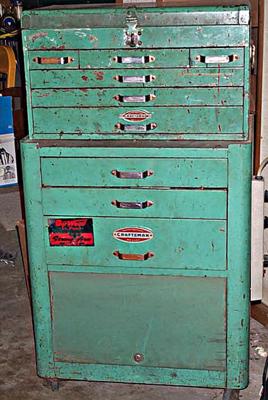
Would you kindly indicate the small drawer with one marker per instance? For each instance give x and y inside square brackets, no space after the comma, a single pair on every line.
[158,203]
[137,58]
[142,97]
[154,120]
[53,59]
[213,57]
[137,242]
[134,172]
[121,78]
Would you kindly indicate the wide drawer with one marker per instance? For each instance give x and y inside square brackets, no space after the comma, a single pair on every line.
[142,97]
[151,37]
[134,172]
[180,77]
[136,203]
[110,319]
[138,242]
[109,120]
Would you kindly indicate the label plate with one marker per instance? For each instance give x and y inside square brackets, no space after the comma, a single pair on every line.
[135,116]
[133,234]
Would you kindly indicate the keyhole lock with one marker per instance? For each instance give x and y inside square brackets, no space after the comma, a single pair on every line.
[133,39]
[138,357]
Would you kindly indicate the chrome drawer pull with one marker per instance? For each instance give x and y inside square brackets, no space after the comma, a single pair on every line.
[134,60]
[135,99]
[133,257]
[217,59]
[136,128]
[53,60]
[131,174]
[132,204]
[134,79]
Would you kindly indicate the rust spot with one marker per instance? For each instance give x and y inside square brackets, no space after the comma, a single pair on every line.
[92,38]
[99,75]
[62,47]
[83,89]
[85,78]
[219,128]
[38,35]
[173,375]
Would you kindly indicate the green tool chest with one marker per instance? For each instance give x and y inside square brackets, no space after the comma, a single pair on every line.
[137,174]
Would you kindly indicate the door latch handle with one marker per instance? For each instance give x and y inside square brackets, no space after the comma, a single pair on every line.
[53,60]
[136,128]
[135,99]
[132,174]
[132,204]
[133,257]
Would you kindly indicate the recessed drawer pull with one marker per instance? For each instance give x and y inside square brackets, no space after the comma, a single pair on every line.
[53,60]
[135,99]
[131,174]
[133,257]
[134,79]
[217,59]
[136,128]
[132,204]
[134,60]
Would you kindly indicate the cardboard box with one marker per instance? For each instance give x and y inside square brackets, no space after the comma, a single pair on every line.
[8,167]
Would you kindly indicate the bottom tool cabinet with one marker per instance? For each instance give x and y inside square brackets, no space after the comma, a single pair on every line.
[139,261]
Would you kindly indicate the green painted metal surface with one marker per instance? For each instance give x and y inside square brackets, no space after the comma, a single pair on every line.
[180,299]
[104,120]
[139,323]
[210,204]
[192,244]
[163,97]
[106,78]
[177,172]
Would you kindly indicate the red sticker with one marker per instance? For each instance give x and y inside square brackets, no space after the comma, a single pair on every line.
[133,234]
[71,232]
[135,116]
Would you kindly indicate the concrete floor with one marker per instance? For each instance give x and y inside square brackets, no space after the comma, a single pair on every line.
[18,379]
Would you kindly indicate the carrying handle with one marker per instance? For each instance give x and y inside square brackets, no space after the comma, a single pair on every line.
[53,60]
[135,99]
[134,79]
[132,174]
[136,128]
[217,59]
[132,204]
[134,60]
[133,257]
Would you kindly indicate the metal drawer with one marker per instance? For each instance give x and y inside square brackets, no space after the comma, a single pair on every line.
[180,77]
[181,120]
[156,203]
[113,38]
[134,172]
[194,244]
[127,97]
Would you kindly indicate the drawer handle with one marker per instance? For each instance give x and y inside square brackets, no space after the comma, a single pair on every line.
[132,204]
[134,79]
[131,174]
[53,60]
[217,59]
[133,257]
[134,60]
[135,99]
[136,128]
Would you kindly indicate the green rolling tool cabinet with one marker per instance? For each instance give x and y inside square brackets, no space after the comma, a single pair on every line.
[137,178]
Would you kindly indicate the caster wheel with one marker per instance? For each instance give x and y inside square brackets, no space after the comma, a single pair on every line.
[230,394]
[54,384]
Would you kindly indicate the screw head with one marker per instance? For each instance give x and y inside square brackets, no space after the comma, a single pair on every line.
[138,357]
